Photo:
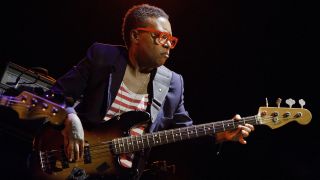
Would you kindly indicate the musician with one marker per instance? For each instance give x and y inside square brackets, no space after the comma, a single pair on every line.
[113,79]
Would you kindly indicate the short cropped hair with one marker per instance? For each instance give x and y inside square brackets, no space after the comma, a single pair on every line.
[137,16]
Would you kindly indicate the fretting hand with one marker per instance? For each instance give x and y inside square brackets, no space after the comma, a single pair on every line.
[238,134]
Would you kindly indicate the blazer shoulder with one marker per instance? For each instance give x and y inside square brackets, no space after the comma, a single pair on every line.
[104,54]
[102,48]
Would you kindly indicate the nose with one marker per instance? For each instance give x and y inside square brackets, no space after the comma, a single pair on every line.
[167,45]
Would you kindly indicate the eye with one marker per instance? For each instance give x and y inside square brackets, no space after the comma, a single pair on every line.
[164,36]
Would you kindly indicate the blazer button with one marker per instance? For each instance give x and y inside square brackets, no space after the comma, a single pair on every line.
[160,89]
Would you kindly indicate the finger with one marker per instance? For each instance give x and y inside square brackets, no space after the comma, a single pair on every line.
[242,141]
[236,136]
[244,128]
[70,150]
[244,133]
[250,126]
[66,144]
[81,149]
[76,151]
[237,117]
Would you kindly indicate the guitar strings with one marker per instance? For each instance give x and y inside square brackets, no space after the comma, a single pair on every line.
[98,150]
[9,101]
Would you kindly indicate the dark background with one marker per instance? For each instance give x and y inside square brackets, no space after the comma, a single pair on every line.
[232,55]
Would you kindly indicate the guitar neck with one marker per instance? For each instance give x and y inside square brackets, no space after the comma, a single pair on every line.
[31,106]
[136,143]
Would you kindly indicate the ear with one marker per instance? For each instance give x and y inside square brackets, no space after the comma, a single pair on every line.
[134,36]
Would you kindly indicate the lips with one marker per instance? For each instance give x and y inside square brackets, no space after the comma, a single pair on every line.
[166,54]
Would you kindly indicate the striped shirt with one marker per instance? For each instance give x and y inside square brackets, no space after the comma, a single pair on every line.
[125,101]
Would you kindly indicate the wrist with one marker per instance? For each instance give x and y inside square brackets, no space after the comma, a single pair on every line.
[70,110]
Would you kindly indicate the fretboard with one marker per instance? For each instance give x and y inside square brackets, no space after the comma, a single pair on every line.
[136,143]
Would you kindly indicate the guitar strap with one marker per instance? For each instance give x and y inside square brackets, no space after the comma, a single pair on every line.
[161,85]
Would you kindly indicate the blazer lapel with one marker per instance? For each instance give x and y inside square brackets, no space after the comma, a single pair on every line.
[161,84]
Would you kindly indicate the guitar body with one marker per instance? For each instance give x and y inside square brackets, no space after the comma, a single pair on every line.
[49,160]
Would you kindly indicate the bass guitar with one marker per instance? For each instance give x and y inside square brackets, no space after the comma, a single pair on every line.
[108,142]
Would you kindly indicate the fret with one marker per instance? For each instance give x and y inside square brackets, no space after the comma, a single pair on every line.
[244,121]
[185,131]
[190,132]
[229,126]
[159,137]
[211,127]
[165,133]
[115,146]
[214,129]
[132,142]
[216,126]
[201,129]
[173,136]
[156,140]
[152,139]
[196,131]
[128,145]
[180,133]
[204,128]
[136,139]
[121,144]
[176,134]
[148,141]
[141,141]
[224,129]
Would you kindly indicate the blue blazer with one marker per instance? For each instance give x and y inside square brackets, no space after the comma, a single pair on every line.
[96,80]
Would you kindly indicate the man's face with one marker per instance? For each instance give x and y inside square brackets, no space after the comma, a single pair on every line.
[149,52]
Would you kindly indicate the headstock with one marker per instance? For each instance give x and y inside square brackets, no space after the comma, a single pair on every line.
[275,117]
[31,106]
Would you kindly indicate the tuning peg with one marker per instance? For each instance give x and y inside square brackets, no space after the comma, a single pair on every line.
[267,104]
[34,102]
[302,102]
[290,102]
[278,102]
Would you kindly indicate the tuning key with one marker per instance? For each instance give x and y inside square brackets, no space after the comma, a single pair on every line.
[44,106]
[278,102]
[267,104]
[34,102]
[302,102]
[290,102]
